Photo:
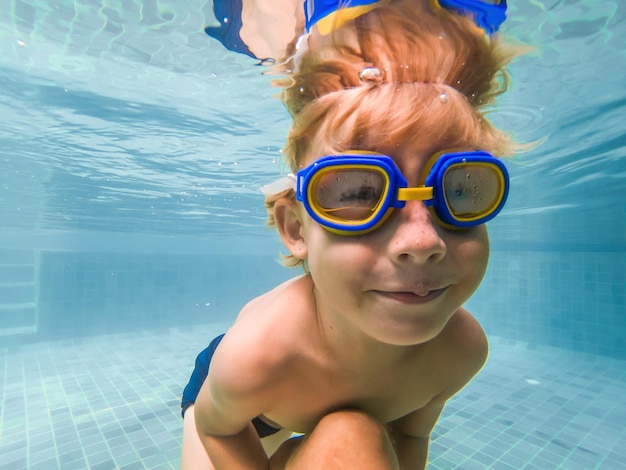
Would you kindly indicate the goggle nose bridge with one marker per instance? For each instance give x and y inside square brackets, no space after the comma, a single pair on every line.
[431,191]
[421,193]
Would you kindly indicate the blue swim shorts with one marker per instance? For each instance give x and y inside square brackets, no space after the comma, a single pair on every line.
[200,372]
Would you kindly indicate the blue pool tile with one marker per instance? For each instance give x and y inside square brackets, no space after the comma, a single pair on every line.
[513,461]
[45,465]
[95,457]
[113,402]
[502,465]
[13,460]
[137,465]
[441,463]
[106,465]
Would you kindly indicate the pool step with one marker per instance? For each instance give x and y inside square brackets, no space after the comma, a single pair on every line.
[19,271]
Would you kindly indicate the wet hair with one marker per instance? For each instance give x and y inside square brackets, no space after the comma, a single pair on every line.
[431,75]
[408,41]
[362,118]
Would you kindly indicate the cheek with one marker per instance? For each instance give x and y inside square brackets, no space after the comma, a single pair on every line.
[340,258]
[472,251]
[483,240]
[317,246]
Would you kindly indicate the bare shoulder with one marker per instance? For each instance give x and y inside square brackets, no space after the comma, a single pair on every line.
[457,355]
[466,332]
[255,356]
[259,346]
[463,350]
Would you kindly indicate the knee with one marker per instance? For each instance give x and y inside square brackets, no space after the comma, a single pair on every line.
[357,437]
[352,423]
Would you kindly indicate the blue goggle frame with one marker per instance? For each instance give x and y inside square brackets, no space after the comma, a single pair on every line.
[432,192]
[488,15]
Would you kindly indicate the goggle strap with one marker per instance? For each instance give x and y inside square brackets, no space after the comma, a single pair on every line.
[338,18]
[280,185]
[332,14]
[415,194]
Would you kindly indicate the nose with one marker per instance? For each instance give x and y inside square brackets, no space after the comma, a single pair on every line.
[416,235]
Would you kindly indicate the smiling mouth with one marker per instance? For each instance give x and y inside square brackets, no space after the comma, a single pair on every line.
[412,297]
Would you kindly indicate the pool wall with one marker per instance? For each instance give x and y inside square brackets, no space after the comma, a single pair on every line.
[49,294]
[568,295]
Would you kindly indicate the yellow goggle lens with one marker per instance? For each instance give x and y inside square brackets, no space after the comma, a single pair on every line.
[473,190]
[351,194]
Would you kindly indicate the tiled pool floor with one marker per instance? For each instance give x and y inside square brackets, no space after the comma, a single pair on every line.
[112,402]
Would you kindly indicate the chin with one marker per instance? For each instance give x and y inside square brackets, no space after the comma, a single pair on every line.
[412,328]
[407,336]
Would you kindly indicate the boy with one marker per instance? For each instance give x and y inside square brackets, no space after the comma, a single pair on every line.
[361,353]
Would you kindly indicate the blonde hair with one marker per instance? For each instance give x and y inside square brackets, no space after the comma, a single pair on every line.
[435,66]
[409,41]
[373,116]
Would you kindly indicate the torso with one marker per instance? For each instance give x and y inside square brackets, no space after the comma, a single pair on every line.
[307,384]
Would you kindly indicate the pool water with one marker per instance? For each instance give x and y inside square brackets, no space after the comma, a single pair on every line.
[133,147]
[113,401]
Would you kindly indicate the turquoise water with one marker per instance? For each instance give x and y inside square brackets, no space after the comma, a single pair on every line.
[133,147]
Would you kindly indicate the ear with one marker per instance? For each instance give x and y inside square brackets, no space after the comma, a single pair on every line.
[289,224]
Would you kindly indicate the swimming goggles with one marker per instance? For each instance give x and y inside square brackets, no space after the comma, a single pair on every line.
[331,14]
[354,193]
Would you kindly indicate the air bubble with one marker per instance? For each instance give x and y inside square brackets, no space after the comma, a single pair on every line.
[372,74]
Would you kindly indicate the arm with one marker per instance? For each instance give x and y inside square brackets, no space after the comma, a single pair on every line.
[193,455]
[464,352]
[240,451]
[411,435]
[412,453]
[235,391]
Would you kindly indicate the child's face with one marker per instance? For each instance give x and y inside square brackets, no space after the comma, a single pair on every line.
[401,283]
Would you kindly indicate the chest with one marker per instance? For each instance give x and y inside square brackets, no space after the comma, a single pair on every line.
[309,393]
